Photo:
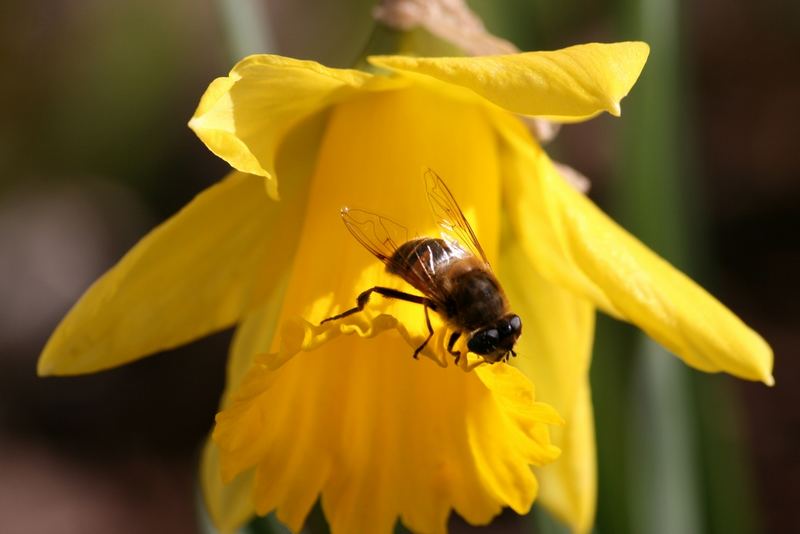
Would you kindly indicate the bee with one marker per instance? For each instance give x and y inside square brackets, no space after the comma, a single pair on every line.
[451,271]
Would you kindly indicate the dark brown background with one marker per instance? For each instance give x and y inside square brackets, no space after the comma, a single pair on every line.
[95,151]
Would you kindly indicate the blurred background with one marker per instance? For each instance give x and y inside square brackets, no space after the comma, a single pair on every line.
[704,166]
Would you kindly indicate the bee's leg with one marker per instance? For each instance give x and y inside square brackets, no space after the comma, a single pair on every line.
[387,292]
[430,333]
[451,343]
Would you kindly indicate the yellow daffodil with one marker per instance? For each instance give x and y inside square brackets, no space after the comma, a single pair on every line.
[341,411]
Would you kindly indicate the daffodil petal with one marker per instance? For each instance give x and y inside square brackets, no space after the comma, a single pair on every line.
[569,84]
[558,328]
[576,245]
[244,117]
[195,274]
[530,214]
[229,505]
[554,352]
[569,486]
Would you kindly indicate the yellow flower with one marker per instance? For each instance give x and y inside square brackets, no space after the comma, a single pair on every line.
[342,410]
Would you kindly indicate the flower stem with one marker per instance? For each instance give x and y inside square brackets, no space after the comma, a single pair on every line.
[246,25]
[663,483]
[656,480]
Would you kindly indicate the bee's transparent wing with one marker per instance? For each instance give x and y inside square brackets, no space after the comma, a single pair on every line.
[378,234]
[383,236]
[449,215]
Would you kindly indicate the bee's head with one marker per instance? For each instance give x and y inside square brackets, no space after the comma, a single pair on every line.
[496,341]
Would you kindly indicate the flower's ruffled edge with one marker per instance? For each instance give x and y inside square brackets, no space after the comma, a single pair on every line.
[521,410]
[300,335]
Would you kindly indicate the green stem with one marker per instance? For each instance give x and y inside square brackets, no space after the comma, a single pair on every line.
[670,485]
[663,484]
[246,25]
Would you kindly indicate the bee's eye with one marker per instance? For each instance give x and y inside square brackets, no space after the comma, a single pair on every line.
[484,342]
[515,323]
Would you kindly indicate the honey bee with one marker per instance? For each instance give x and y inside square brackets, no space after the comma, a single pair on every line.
[451,272]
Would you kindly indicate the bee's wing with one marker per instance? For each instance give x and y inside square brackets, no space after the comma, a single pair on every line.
[450,217]
[380,235]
